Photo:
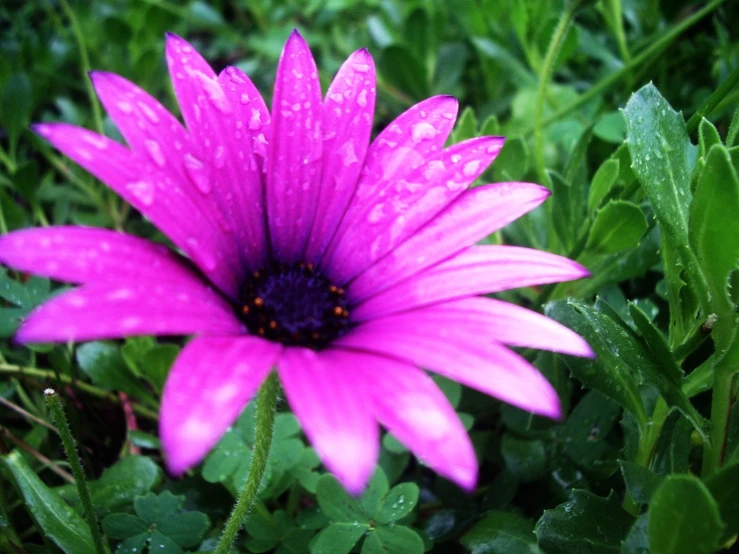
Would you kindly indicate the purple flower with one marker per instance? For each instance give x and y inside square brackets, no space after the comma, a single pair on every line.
[344,264]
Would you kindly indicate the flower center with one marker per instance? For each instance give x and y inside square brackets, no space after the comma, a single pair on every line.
[294,305]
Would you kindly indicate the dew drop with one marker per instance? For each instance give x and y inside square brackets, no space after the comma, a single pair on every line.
[470,168]
[362,99]
[195,170]
[143,191]
[148,112]
[255,121]
[155,151]
[125,107]
[423,131]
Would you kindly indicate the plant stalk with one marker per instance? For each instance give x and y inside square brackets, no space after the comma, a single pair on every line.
[266,405]
[57,412]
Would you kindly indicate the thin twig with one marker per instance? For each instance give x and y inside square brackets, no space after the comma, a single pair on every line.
[20,443]
[27,415]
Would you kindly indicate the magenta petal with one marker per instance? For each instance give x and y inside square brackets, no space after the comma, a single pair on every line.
[84,255]
[332,402]
[295,152]
[477,213]
[488,367]
[114,310]
[417,413]
[400,148]
[492,319]
[411,202]
[348,112]
[208,386]
[478,270]
[154,194]
[216,166]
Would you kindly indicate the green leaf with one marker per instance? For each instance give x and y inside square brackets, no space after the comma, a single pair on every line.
[707,137]
[656,342]
[404,70]
[501,533]
[54,518]
[618,226]
[684,517]
[336,503]
[526,459]
[603,181]
[466,126]
[121,526]
[714,236]
[640,482]
[663,160]
[103,363]
[338,538]
[157,362]
[611,128]
[586,427]
[154,508]
[122,482]
[603,374]
[637,541]
[512,162]
[186,529]
[398,503]
[16,105]
[724,486]
[587,524]
[372,496]
[393,538]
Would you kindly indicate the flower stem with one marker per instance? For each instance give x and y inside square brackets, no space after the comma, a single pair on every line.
[266,403]
[721,402]
[57,412]
[547,69]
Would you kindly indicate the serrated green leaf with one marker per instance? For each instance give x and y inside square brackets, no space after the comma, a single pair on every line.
[663,160]
[602,183]
[714,236]
[398,503]
[618,226]
[604,375]
[395,538]
[54,518]
[501,533]
[684,517]
[338,538]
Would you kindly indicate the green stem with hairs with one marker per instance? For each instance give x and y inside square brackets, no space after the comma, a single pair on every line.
[266,405]
[547,69]
[57,413]
[655,48]
[67,380]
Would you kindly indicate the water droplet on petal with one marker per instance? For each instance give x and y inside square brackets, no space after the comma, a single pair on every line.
[361,67]
[196,170]
[155,151]
[470,168]
[422,131]
[143,191]
[148,112]
[362,98]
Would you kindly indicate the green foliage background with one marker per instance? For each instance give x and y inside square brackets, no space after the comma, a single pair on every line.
[593,97]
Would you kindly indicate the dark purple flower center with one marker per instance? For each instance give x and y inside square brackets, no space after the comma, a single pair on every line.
[294,305]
